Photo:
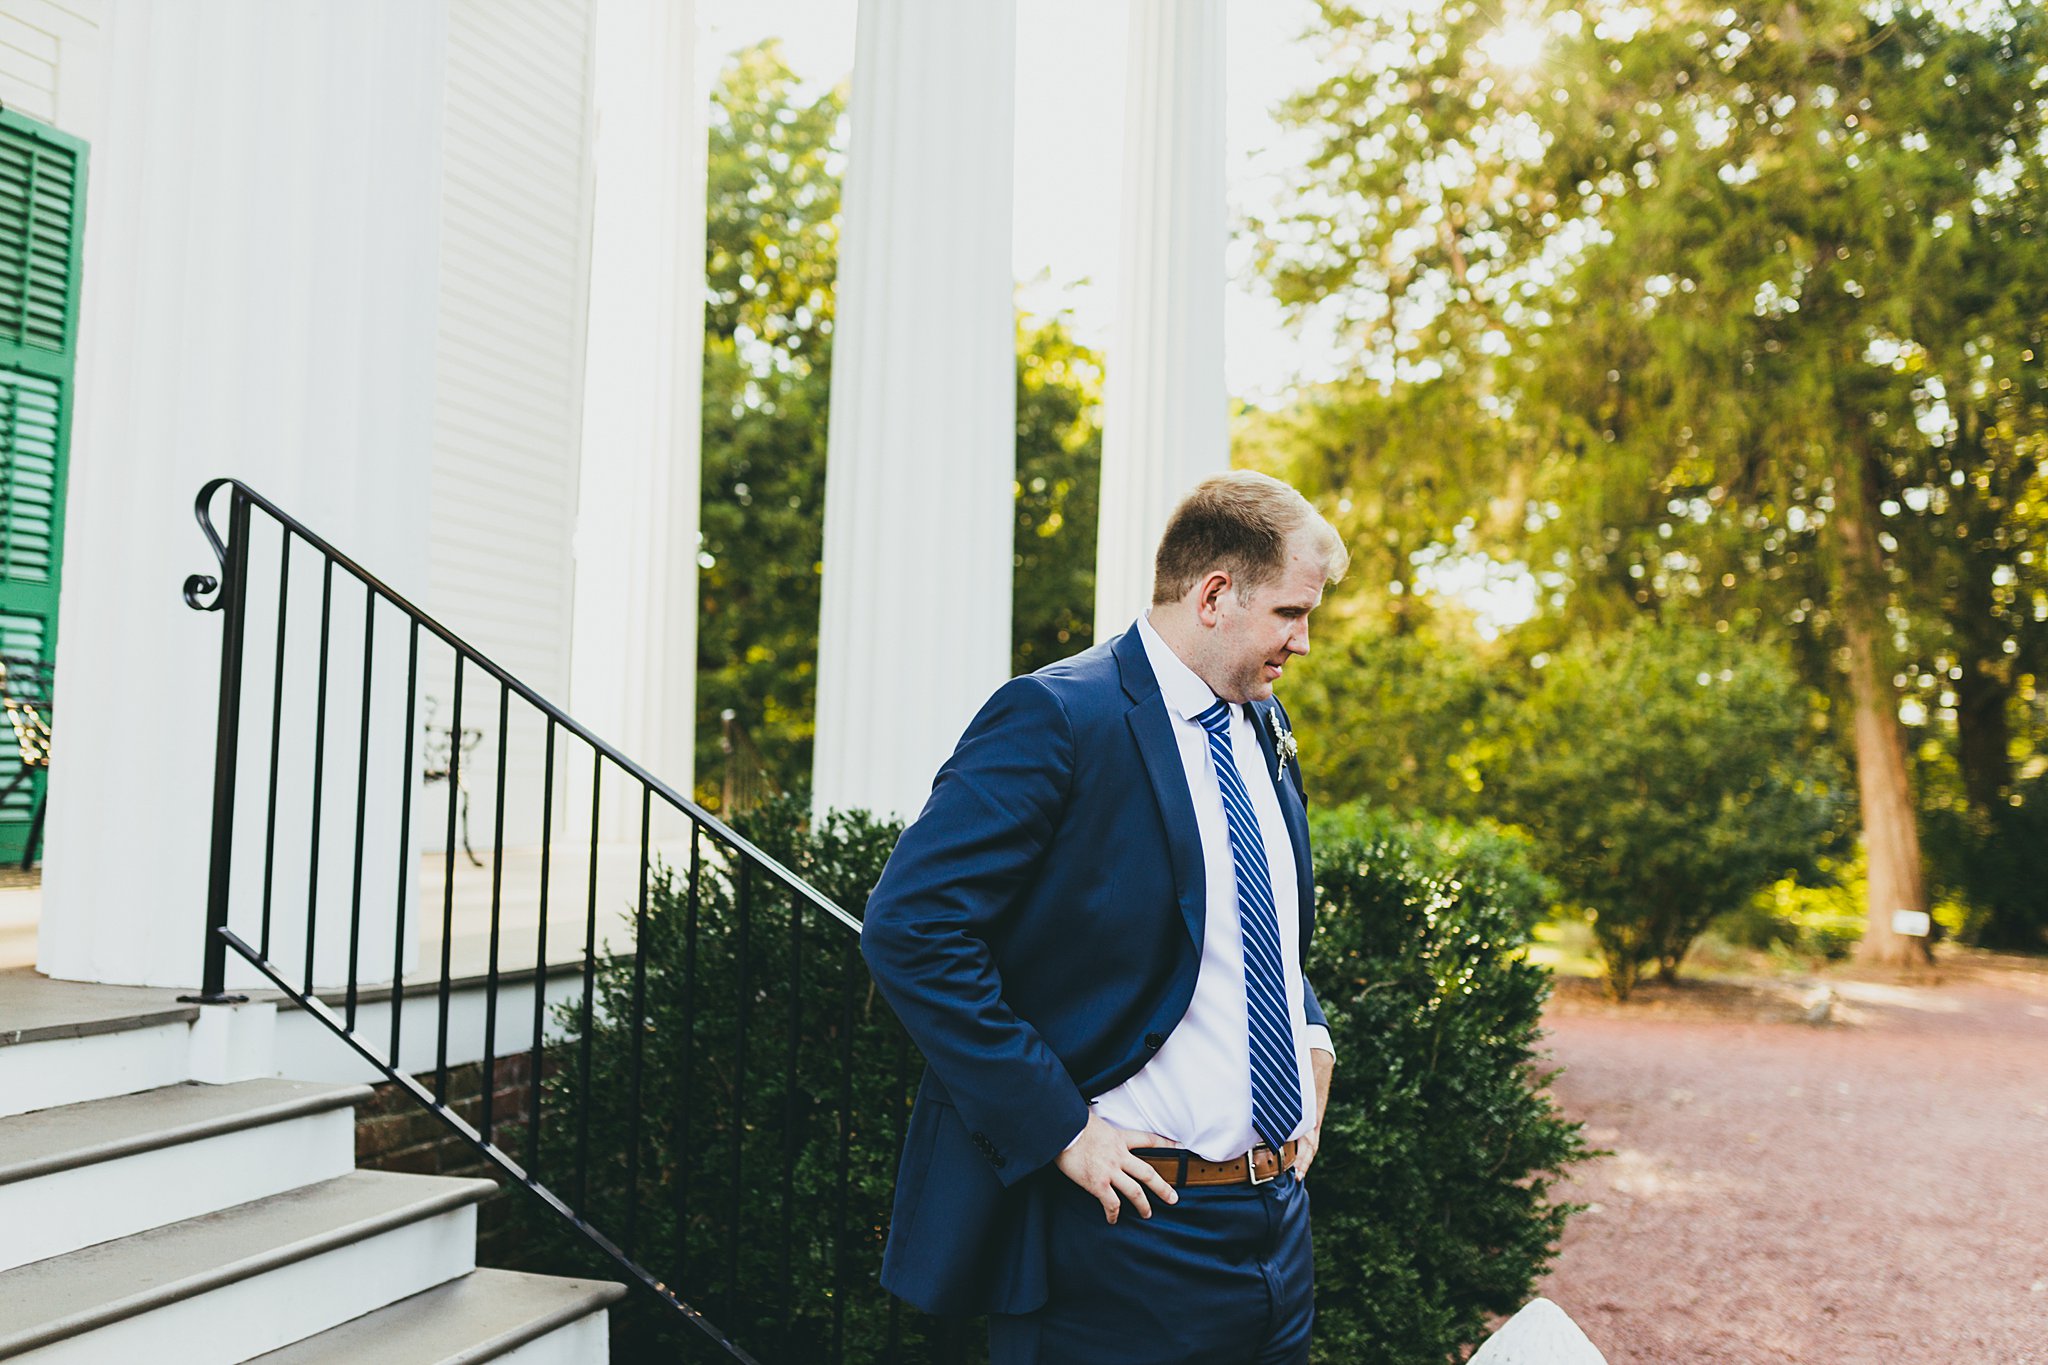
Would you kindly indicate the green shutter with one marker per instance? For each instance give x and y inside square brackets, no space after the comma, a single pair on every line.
[42,220]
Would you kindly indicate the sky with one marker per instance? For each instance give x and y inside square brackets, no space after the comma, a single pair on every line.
[1069,153]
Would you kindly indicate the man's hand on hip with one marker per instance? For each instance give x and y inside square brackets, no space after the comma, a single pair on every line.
[1321,1064]
[1100,1162]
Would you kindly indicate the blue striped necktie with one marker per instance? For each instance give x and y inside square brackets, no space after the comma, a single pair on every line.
[1276,1076]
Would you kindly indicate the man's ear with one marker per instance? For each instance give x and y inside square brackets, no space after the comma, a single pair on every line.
[1209,594]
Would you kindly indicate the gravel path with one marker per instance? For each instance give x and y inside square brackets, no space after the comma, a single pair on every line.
[1873,1191]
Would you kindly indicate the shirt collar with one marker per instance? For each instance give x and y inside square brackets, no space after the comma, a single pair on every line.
[1182,689]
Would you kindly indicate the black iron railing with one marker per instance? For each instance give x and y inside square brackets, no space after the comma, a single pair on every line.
[716,1096]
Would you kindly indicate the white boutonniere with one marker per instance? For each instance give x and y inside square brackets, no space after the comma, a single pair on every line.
[1283,738]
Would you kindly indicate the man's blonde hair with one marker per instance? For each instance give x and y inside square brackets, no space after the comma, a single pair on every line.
[1239,522]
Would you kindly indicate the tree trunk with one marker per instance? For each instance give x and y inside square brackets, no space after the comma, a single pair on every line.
[1891,835]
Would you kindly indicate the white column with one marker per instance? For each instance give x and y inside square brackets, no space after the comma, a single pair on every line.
[919,495]
[259,286]
[634,658]
[1165,410]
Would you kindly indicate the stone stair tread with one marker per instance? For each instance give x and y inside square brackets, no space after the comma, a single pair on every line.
[63,1296]
[73,1135]
[34,1008]
[479,1317]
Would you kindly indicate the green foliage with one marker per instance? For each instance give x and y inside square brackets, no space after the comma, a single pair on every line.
[1667,776]
[1496,863]
[1059,477]
[1440,1148]
[1433,1206]
[771,254]
[1819,916]
[714,1134]
[1433,705]
[1748,304]
[1996,863]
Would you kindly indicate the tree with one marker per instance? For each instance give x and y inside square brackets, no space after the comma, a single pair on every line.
[1668,776]
[771,244]
[1743,274]
[1400,719]
[1059,480]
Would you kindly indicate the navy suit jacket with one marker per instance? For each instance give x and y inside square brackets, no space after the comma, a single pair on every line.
[1038,930]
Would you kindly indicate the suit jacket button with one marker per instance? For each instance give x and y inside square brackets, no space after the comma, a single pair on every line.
[1155,1041]
[998,1160]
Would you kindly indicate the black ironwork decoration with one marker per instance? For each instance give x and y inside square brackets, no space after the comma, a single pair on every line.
[441,764]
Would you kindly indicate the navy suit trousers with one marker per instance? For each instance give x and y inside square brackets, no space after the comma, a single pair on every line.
[1224,1277]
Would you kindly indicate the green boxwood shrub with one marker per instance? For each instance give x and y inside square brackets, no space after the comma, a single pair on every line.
[1499,860]
[1432,1205]
[1432,1196]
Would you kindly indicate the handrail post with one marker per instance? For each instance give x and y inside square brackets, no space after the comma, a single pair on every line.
[234,596]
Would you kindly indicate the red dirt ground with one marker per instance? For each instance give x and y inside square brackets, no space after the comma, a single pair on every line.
[1872,1191]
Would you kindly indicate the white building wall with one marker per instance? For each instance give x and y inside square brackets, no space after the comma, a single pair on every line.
[48,66]
[257,300]
[515,226]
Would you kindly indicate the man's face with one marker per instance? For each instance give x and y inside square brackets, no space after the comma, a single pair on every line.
[1253,641]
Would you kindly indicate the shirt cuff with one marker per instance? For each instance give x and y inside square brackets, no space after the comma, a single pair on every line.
[1319,1038]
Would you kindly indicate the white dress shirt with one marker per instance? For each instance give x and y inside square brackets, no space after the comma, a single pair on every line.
[1196,1091]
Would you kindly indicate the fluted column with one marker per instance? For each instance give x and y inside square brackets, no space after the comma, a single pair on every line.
[259,294]
[1165,410]
[919,497]
[633,667]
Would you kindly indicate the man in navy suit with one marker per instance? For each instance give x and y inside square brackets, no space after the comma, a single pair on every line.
[1094,931]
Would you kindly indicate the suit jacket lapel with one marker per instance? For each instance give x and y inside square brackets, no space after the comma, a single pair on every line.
[1291,809]
[1152,729]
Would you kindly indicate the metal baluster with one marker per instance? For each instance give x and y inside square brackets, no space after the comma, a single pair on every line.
[583,1096]
[789,1111]
[412,678]
[735,1200]
[355,909]
[284,587]
[226,753]
[319,771]
[898,1112]
[540,956]
[849,974]
[686,1081]
[497,910]
[639,1029]
[448,891]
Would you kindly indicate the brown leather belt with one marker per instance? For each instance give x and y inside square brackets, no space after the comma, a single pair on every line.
[1255,1167]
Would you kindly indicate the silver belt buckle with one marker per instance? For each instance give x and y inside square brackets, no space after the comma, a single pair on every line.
[1251,1166]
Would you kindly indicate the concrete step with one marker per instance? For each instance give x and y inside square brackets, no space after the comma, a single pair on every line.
[65,1042]
[494,1315]
[86,1173]
[230,1285]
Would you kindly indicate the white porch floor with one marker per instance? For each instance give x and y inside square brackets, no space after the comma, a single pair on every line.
[468,910]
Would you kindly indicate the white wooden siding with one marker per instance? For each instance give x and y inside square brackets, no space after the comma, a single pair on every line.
[36,78]
[516,195]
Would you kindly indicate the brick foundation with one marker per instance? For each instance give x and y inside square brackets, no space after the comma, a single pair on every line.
[393,1133]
